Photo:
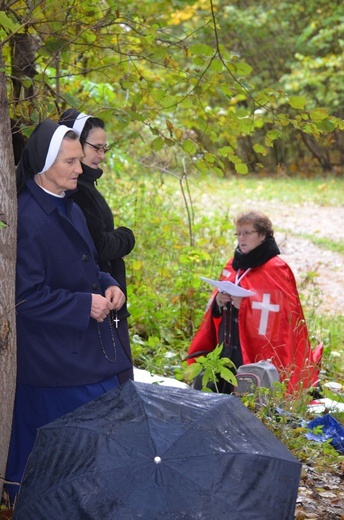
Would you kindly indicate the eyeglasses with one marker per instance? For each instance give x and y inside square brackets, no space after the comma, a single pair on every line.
[245,233]
[99,149]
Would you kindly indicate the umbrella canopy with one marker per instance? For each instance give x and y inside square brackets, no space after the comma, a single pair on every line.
[156,452]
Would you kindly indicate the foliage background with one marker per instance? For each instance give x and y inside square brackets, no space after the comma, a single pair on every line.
[188,85]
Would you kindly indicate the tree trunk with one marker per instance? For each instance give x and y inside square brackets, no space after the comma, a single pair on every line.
[8,229]
[23,49]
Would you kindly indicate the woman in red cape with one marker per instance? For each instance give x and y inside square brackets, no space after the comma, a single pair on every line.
[268,325]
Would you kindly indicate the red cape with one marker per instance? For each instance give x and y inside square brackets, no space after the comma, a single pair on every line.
[271,324]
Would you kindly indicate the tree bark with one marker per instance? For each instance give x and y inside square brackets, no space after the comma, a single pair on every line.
[8,232]
[23,50]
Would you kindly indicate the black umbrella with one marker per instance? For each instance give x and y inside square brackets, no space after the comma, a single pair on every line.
[156,452]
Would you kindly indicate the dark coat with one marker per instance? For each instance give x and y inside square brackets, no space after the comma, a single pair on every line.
[59,344]
[112,244]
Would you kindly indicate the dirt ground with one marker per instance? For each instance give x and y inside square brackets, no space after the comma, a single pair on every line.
[303,256]
[321,495]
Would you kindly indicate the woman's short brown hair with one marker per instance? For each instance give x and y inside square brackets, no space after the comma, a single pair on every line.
[261,223]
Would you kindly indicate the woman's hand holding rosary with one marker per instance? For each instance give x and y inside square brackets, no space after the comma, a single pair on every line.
[102,305]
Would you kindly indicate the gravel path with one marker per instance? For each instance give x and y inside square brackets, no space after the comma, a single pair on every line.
[303,256]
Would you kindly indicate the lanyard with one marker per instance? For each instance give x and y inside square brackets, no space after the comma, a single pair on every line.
[239,277]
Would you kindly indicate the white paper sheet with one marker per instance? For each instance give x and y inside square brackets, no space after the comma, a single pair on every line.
[229,287]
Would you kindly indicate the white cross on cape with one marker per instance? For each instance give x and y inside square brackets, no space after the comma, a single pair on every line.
[266,307]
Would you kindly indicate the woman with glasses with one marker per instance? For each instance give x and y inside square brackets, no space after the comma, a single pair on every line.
[268,325]
[112,244]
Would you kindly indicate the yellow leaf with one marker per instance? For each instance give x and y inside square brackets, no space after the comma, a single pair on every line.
[137,265]
[178,133]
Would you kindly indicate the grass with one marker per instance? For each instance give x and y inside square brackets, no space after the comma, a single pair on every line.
[322,191]
[324,243]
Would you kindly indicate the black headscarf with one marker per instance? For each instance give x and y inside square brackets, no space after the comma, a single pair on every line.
[74,119]
[40,151]
[258,256]
[77,121]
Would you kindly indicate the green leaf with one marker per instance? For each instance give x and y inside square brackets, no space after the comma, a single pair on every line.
[262,97]
[209,157]
[242,68]
[318,114]
[71,100]
[246,125]
[241,168]
[227,90]
[193,371]
[198,61]
[27,82]
[201,49]
[157,144]
[186,103]
[258,148]
[54,45]
[135,116]
[90,37]
[225,151]
[168,101]
[157,94]
[326,126]
[201,166]
[297,102]
[273,134]
[189,146]
[228,376]
[216,65]
[8,23]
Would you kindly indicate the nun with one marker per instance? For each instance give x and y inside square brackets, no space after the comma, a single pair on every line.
[113,244]
[68,349]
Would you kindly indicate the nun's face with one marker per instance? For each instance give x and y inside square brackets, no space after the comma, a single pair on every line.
[94,152]
[63,174]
